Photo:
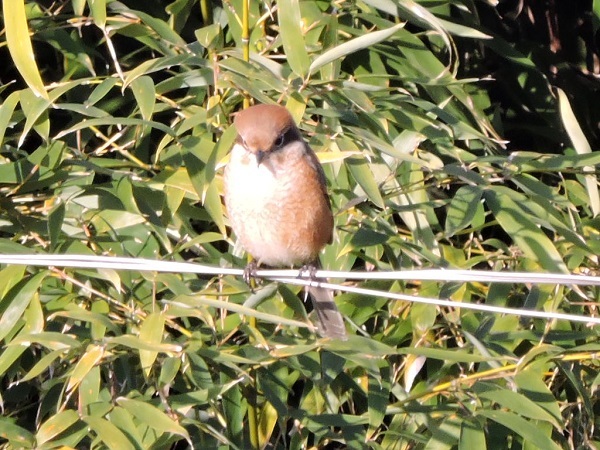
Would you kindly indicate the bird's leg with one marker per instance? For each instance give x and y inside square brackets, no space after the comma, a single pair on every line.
[250,274]
[310,270]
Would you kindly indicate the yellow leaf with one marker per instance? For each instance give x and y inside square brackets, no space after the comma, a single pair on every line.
[19,45]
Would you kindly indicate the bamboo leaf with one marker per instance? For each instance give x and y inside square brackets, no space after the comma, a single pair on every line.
[92,356]
[15,434]
[353,45]
[6,111]
[292,35]
[526,429]
[19,45]
[152,417]
[582,147]
[145,95]
[524,231]
[55,425]
[151,333]
[109,433]
[17,300]
[463,207]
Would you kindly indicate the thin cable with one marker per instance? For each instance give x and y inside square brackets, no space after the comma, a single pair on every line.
[291,277]
[441,302]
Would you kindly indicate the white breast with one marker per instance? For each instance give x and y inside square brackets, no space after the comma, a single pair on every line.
[254,196]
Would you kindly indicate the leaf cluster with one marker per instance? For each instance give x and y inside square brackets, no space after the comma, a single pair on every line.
[451,134]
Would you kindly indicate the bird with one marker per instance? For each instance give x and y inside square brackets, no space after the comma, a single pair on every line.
[277,201]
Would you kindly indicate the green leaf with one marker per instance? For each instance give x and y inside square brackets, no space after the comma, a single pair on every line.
[55,222]
[107,220]
[266,424]
[92,356]
[416,13]
[472,436]
[6,112]
[364,177]
[17,300]
[117,121]
[109,433]
[158,64]
[99,320]
[36,111]
[42,364]
[152,417]
[127,423]
[55,425]
[145,95]
[14,434]
[49,339]
[530,382]
[353,45]
[98,316]
[89,388]
[214,206]
[378,399]
[451,355]
[98,12]
[462,209]
[151,333]
[292,35]
[200,301]
[581,145]
[9,277]
[523,230]
[208,35]
[516,402]
[526,429]
[19,45]
[100,91]
[136,343]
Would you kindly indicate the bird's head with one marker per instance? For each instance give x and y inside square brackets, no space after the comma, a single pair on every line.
[265,129]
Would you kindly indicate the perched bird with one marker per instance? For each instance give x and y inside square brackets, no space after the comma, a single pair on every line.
[277,200]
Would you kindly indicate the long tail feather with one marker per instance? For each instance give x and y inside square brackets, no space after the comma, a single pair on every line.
[331,322]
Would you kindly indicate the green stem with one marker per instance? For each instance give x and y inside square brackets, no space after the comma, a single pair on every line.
[246,39]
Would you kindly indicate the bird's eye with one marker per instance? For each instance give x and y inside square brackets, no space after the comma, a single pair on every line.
[280,140]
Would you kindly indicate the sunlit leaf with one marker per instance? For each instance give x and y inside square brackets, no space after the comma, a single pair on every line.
[151,333]
[463,208]
[291,31]
[152,417]
[353,46]
[145,95]
[15,434]
[19,45]
[92,356]
[56,425]
[581,145]
[109,433]
[16,301]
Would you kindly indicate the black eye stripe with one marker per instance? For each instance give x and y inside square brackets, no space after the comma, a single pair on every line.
[285,138]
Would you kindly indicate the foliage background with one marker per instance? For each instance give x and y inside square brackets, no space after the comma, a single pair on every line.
[454,134]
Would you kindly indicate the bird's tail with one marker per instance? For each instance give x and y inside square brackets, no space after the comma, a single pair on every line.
[330,320]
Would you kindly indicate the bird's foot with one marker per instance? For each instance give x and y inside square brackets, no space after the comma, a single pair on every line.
[310,269]
[250,274]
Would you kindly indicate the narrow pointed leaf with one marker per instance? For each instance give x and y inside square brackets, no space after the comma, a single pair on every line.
[19,45]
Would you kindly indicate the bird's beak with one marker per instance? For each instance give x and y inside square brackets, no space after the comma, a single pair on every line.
[260,155]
